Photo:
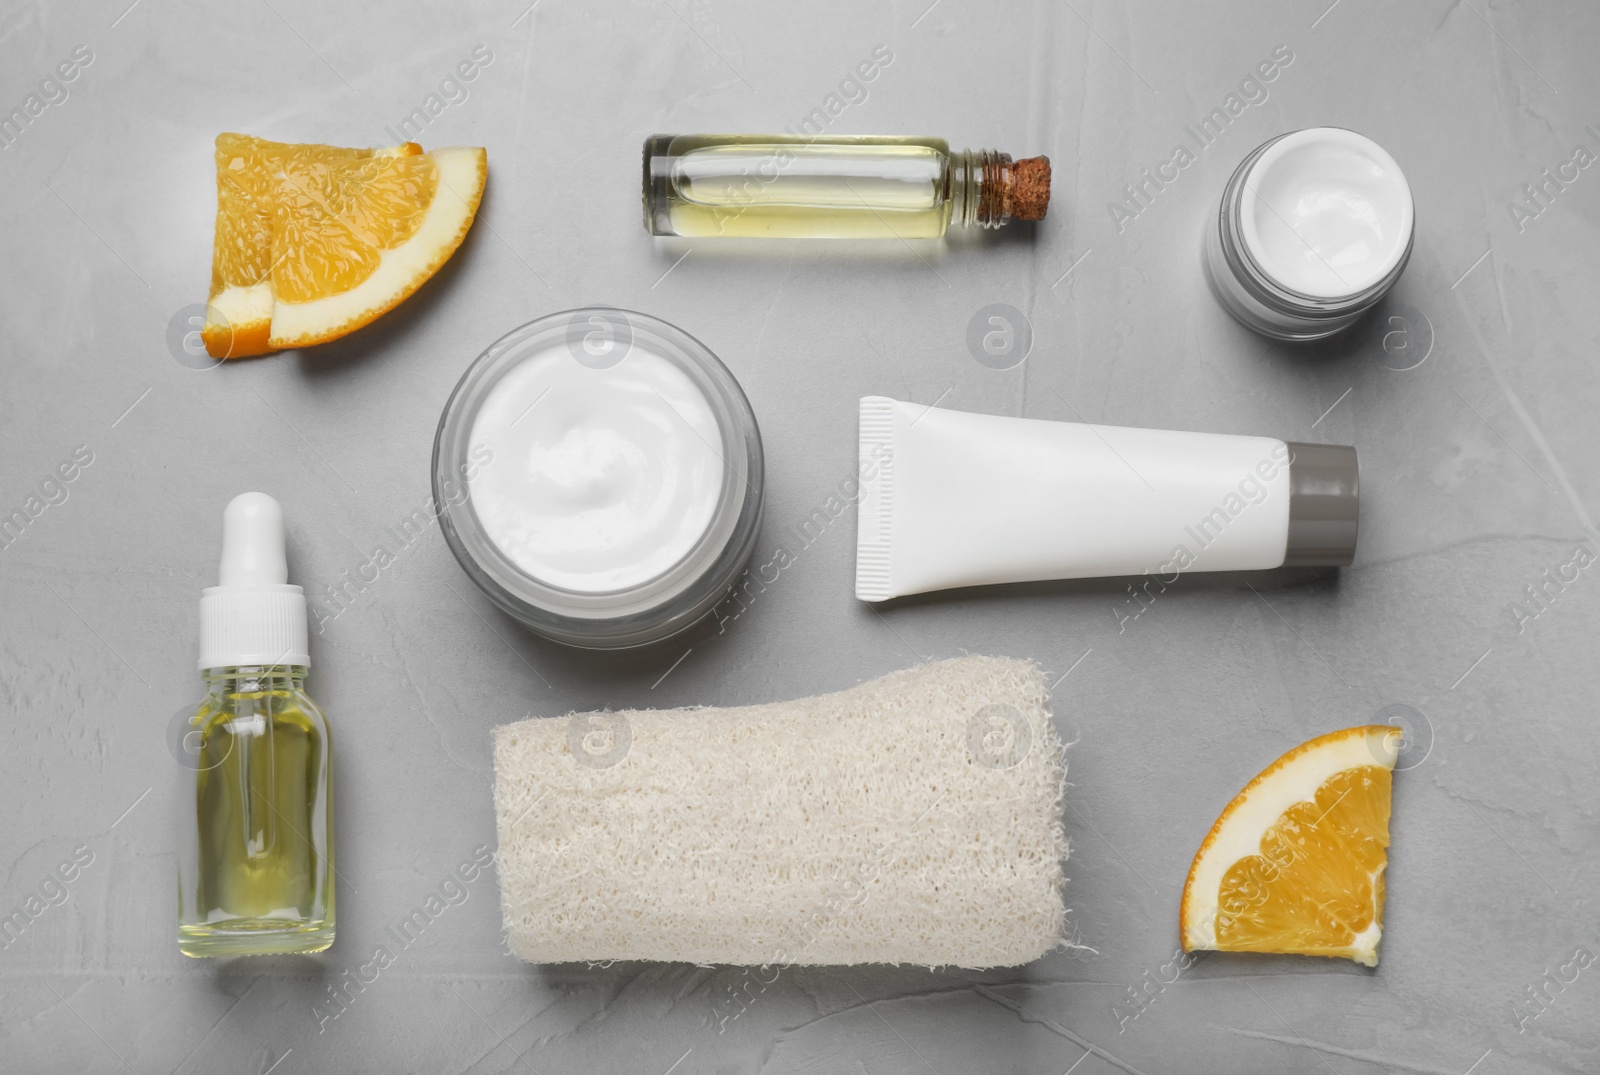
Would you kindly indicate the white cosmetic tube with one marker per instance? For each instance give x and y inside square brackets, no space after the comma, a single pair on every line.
[954,499]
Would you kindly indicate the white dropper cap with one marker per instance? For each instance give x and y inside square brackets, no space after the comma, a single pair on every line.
[253,617]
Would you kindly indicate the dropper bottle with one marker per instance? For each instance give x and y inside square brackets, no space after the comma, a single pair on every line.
[255,851]
[793,186]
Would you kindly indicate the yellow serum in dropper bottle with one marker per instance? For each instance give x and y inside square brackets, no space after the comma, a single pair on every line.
[255,850]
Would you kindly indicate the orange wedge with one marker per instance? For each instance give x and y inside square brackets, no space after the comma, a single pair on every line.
[249,173]
[1295,863]
[313,242]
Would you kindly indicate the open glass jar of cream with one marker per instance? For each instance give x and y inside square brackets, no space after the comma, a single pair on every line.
[600,477]
[1314,228]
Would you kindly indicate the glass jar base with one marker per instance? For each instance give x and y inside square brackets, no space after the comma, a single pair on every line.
[254,937]
[1255,315]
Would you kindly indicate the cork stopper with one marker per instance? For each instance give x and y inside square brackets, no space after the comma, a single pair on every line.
[1028,188]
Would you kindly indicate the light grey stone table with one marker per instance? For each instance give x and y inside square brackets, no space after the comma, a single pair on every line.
[1472,399]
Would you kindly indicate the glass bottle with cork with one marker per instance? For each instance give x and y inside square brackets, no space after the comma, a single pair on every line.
[792,186]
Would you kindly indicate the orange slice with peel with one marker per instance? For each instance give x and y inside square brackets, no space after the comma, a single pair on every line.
[1295,863]
[354,240]
[249,173]
[313,242]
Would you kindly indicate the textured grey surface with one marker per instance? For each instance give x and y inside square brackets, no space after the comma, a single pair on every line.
[1476,468]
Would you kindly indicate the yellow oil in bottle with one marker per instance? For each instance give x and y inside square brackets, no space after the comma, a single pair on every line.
[259,877]
[788,187]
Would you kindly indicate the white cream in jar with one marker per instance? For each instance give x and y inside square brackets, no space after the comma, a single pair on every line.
[603,478]
[1326,212]
[614,477]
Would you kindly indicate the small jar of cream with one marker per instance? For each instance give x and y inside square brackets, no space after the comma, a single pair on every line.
[1314,228]
[614,477]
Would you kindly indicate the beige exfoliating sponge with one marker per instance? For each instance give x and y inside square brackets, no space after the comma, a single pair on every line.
[912,819]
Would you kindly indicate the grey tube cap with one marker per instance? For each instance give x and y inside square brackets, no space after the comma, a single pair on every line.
[1324,505]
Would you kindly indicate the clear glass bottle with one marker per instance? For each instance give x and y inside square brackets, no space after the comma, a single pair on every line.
[255,852]
[257,877]
[790,186]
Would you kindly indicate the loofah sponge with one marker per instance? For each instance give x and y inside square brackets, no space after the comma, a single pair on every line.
[912,819]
